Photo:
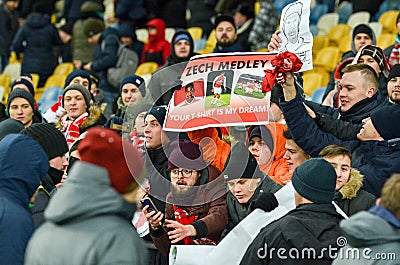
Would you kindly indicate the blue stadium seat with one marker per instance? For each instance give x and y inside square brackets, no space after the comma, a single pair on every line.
[344,12]
[318,95]
[316,12]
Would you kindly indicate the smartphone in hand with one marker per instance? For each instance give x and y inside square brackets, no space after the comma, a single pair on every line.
[147,201]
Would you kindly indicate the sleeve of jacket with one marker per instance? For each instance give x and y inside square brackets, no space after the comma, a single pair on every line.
[304,130]
[159,236]
[342,129]
[166,51]
[216,219]
[109,55]
[18,40]
[321,108]
[56,40]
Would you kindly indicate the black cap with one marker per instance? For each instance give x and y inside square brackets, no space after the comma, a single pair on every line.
[222,18]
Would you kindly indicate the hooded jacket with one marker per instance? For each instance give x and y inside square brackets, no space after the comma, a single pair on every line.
[372,234]
[90,221]
[314,226]
[158,48]
[18,182]
[36,40]
[167,78]
[351,198]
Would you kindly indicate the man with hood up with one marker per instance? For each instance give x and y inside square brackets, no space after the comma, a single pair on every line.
[165,79]
[158,48]
[23,164]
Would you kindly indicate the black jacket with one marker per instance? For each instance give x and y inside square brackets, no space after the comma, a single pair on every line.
[36,39]
[8,29]
[308,226]
[106,58]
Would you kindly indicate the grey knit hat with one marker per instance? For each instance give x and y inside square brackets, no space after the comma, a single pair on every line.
[82,89]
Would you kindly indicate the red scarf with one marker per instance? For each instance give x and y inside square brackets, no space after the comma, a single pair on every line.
[182,216]
[70,128]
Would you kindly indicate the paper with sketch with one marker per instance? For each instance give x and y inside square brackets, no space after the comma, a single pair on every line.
[295,32]
[232,248]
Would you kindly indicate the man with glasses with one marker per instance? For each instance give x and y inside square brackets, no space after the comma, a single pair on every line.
[195,210]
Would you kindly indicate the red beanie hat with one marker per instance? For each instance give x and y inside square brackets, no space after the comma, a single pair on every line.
[105,148]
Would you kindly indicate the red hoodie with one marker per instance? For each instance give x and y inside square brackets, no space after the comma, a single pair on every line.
[158,48]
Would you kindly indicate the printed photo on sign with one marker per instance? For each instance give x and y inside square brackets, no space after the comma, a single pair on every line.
[190,93]
[249,86]
[219,86]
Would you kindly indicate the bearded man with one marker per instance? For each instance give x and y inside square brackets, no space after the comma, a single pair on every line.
[195,210]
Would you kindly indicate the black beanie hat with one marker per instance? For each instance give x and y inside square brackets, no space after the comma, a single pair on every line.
[137,81]
[384,120]
[86,94]
[75,73]
[51,139]
[10,126]
[159,113]
[262,132]
[20,93]
[378,55]
[315,180]
[222,18]
[241,164]
[186,154]
[362,28]
[394,71]
[245,10]
[93,26]
[24,81]
[67,28]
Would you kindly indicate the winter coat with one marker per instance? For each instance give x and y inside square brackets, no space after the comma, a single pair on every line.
[107,58]
[351,198]
[81,49]
[173,12]
[265,24]
[166,79]
[376,160]
[216,151]
[23,163]
[72,9]
[346,125]
[209,206]
[89,211]
[8,29]
[36,40]
[130,11]
[157,49]
[308,226]
[371,233]
[238,211]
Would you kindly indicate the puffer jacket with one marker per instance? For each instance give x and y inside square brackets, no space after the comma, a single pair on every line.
[36,40]
[157,49]
[94,215]
[351,198]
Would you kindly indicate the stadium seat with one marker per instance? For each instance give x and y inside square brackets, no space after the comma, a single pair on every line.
[5,82]
[312,81]
[13,70]
[318,95]
[319,42]
[361,17]
[146,68]
[256,7]
[377,28]
[326,22]
[142,35]
[385,40]
[169,33]
[55,80]
[336,34]
[63,69]
[388,21]
[35,80]
[210,43]
[345,44]
[13,58]
[195,32]
[2,92]
[344,11]
[327,59]
[316,12]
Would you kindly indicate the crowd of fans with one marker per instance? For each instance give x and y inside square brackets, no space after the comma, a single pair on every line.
[95,179]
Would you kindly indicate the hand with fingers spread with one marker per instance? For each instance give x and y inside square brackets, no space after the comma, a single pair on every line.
[155,218]
[179,231]
[275,42]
